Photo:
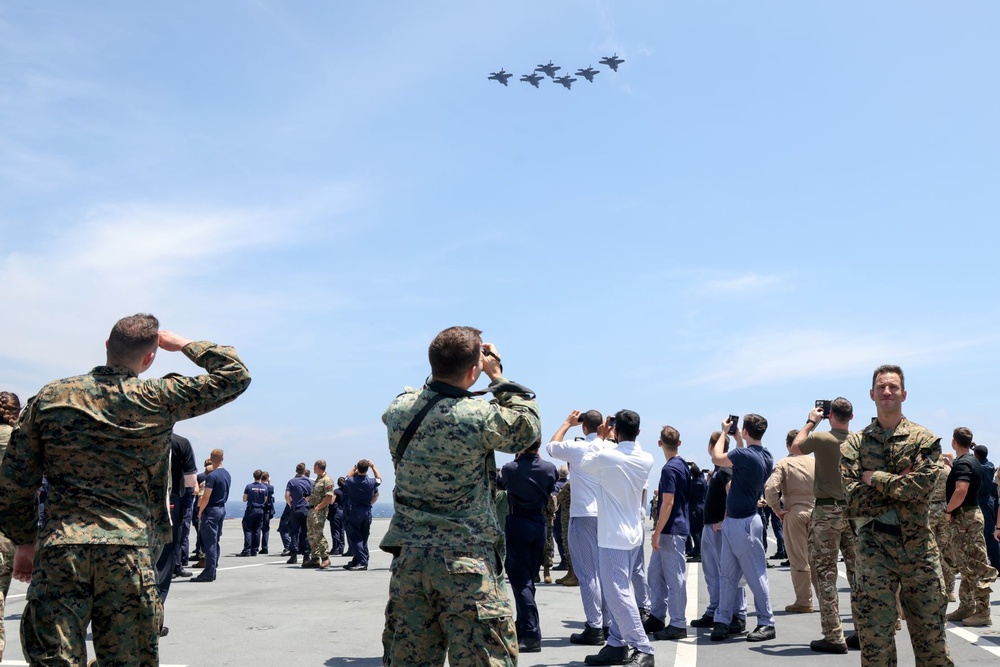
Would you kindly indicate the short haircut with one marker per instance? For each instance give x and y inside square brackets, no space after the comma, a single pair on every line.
[300,468]
[208,462]
[216,455]
[341,480]
[981,452]
[320,463]
[265,476]
[695,470]
[627,425]
[889,368]
[755,425]
[534,446]
[963,436]
[563,472]
[454,351]
[670,437]
[363,466]
[10,408]
[257,474]
[591,419]
[714,438]
[790,438]
[842,409]
[133,337]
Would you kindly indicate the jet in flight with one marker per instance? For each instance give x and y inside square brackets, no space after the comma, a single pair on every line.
[533,79]
[564,80]
[613,62]
[549,69]
[500,76]
[588,73]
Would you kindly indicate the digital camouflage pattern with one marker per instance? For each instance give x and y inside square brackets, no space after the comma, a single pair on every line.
[906,465]
[106,517]
[446,591]
[448,601]
[831,534]
[939,526]
[563,500]
[967,556]
[550,516]
[316,521]
[6,552]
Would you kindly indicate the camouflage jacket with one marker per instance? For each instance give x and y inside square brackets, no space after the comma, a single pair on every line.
[888,455]
[102,439]
[5,431]
[443,496]
[322,487]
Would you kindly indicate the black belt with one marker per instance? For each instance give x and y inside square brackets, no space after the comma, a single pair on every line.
[887,528]
[831,501]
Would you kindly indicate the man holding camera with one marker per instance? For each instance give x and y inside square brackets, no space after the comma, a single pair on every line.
[444,534]
[361,491]
[829,530]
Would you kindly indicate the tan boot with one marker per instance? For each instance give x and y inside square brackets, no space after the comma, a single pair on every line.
[961,613]
[980,616]
[569,580]
[548,575]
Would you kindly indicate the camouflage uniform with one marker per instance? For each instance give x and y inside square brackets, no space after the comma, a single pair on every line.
[446,592]
[563,500]
[967,552]
[103,522]
[896,548]
[939,526]
[550,516]
[316,522]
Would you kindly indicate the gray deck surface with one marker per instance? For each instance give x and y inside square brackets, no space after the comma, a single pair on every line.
[265,613]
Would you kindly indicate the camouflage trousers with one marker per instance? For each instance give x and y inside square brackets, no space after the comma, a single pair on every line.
[830,533]
[942,535]
[448,601]
[109,586]
[885,564]
[967,555]
[315,523]
[6,571]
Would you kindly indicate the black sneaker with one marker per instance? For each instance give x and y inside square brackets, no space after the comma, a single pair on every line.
[671,632]
[720,632]
[609,655]
[706,621]
[652,624]
[823,646]
[761,633]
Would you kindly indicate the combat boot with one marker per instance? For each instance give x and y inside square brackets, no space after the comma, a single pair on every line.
[960,613]
[548,575]
[568,580]
[979,618]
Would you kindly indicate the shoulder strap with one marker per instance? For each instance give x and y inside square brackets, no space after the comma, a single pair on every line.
[404,441]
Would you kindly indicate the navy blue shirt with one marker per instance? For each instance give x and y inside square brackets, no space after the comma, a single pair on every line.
[256,494]
[529,481]
[299,489]
[360,489]
[675,478]
[697,492]
[751,467]
[218,482]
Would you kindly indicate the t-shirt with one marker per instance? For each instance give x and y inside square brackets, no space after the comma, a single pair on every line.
[826,446]
[181,463]
[256,494]
[299,489]
[675,478]
[715,499]
[966,468]
[751,467]
[217,483]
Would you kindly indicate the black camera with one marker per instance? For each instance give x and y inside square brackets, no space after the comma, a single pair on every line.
[826,406]
[733,421]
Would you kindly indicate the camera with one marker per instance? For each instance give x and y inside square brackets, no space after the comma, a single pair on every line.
[826,406]
[734,420]
[611,422]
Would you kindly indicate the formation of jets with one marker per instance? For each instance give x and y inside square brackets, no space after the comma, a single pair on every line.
[550,70]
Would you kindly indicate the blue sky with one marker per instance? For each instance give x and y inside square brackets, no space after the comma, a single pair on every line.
[765,202]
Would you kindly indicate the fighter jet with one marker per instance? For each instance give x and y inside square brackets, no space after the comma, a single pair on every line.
[500,76]
[533,79]
[613,62]
[588,73]
[564,80]
[549,69]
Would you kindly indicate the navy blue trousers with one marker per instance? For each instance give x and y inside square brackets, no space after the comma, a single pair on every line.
[298,534]
[211,531]
[359,526]
[525,550]
[253,521]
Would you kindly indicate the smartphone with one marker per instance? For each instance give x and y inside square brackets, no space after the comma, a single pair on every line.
[579,420]
[733,421]
[826,406]
[611,422]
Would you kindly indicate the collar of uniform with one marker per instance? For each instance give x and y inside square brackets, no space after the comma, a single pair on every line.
[875,430]
[448,390]
[113,370]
